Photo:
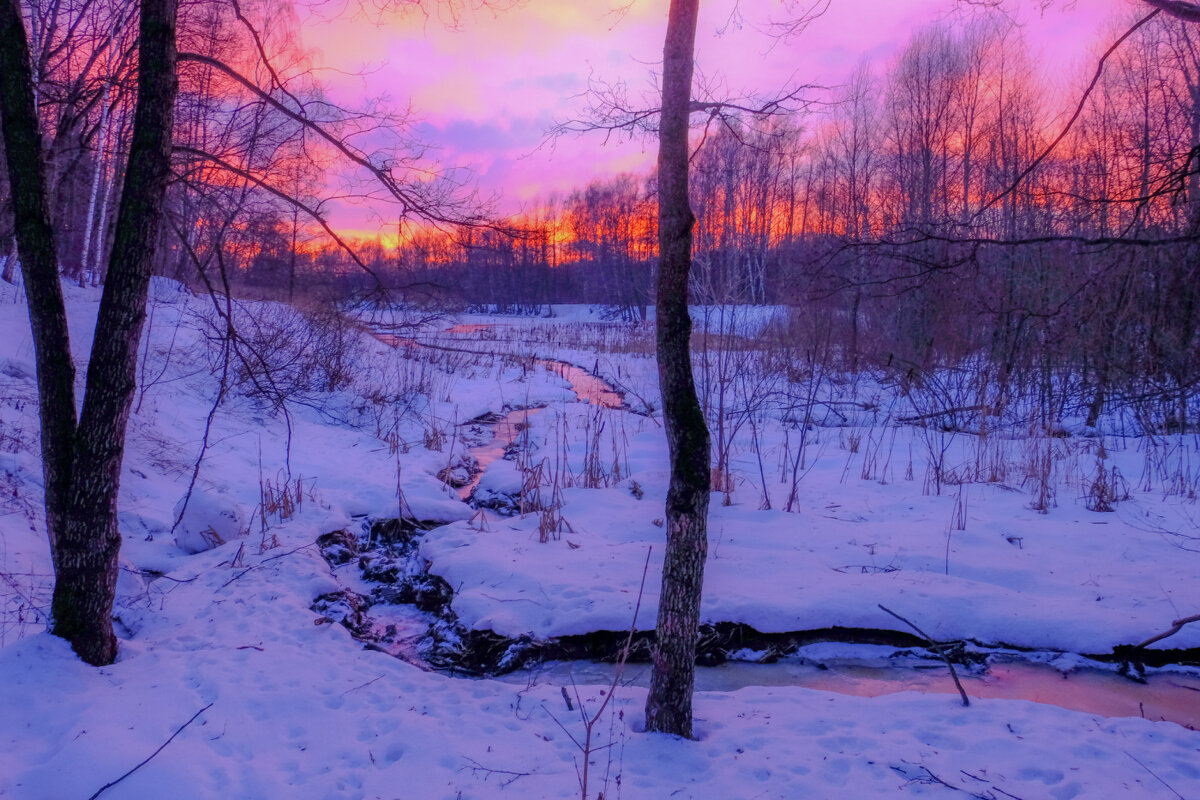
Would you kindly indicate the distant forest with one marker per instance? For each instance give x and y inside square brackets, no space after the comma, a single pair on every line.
[898,217]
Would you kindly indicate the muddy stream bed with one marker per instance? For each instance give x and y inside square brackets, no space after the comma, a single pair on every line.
[394,605]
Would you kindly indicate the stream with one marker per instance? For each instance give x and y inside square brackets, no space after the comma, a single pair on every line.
[1163,696]
[400,631]
[1173,697]
[587,387]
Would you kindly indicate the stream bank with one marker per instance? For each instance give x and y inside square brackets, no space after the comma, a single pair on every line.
[394,605]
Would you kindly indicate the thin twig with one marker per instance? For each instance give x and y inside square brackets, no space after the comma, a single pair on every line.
[937,647]
[361,686]
[154,576]
[929,778]
[1155,775]
[265,560]
[512,775]
[1176,626]
[178,731]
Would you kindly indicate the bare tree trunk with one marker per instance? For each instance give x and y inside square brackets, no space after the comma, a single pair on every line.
[102,223]
[39,264]
[669,703]
[82,463]
[85,260]
[87,572]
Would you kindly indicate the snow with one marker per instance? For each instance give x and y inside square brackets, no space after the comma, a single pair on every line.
[1068,580]
[292,706]
[205,521]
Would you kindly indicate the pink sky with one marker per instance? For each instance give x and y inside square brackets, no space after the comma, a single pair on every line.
[486,91]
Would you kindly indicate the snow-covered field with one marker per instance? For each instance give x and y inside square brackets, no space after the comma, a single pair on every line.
[270,700]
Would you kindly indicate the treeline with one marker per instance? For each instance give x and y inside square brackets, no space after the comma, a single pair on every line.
[919,224]
[904,221]
[259,149]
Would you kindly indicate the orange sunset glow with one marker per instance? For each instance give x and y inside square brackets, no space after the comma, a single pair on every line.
[487,87]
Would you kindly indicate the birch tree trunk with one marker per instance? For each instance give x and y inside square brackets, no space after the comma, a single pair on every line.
[669,703]
[85,259]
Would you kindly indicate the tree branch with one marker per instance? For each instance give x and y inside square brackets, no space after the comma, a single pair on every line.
[1188,12]
[937,647]
[1176,626]
[284,196]
[410,199]
[1078,109]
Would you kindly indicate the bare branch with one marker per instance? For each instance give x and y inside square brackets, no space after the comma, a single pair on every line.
[291,200]
[1188,12]
[1176,626]
[425,200]
[1078,109]
[276,82]
[938,647]
[610,110]
[178,731]
[798,23]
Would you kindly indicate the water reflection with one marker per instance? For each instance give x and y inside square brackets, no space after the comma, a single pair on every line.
[1174,697]
[504,433]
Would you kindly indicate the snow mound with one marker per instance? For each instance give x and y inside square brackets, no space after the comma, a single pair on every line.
[207,520]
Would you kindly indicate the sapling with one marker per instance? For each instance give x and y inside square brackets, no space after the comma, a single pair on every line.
[958,519]
[1040,470]
[883,472]
[587,747]
[817,374]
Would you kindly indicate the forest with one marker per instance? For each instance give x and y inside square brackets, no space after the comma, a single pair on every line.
[941,207]
[852,450]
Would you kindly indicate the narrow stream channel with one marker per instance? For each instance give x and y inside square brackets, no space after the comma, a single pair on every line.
[1169,696]
[1173,697]
[504,432]
[588,388]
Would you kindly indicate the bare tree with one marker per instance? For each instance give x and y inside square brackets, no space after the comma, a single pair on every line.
[81,460]
[609,225]
[82,457]
[669,702]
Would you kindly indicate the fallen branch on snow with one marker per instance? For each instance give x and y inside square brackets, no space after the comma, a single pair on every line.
[148,758]
[937,647]
[1176,626]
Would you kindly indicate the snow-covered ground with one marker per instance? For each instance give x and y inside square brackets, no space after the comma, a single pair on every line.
[269,700]
[1070,579]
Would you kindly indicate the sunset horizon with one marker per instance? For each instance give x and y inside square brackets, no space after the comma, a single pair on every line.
[487,88]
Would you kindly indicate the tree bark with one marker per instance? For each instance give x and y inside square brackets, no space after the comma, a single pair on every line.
[86,577]
[669,703]
[82,462]
[39,264]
